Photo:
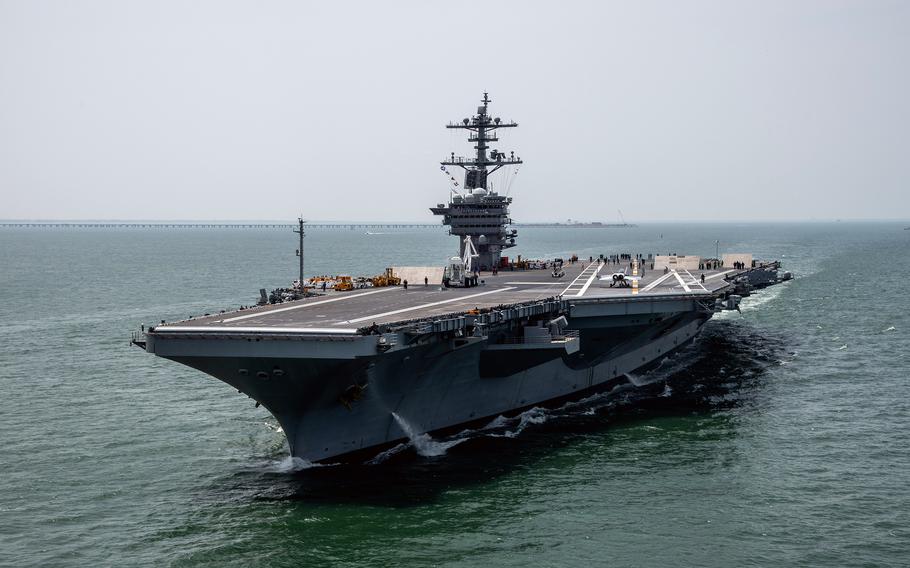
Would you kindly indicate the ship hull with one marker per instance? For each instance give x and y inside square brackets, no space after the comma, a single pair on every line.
[338,409]
[348,372]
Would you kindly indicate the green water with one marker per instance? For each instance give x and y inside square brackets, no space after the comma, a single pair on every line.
[780,438]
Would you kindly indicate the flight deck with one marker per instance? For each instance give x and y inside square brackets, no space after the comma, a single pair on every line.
[348,311]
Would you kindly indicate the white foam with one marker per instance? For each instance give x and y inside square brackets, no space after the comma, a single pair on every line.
[423,443]
[292,464]
[636,380]
[498,422]
[534,415]
[274,427]
[760,298]
[427,447]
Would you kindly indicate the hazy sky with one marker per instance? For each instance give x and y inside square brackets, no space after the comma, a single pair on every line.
[261,110]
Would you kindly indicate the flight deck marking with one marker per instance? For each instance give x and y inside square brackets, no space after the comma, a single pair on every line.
[579,277]
[307,305]
[695,281]
[591,279]
[393,312]
[657,282]
[177,330]
[673,273]
[719,274]
[681,281]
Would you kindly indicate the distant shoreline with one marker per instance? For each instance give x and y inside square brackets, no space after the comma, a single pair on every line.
[229,224]
[277,225]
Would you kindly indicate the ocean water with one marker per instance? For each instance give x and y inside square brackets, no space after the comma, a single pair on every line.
[782,437]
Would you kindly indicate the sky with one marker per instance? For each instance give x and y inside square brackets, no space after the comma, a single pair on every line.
[265,110]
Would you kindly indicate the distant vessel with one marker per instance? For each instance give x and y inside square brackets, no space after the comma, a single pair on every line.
[586,224]
[348,374]
[579,224]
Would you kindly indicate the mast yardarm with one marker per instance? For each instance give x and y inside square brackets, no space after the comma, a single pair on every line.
[483,129]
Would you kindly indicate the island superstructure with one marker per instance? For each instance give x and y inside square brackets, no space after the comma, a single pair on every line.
[343,370]
[479,212]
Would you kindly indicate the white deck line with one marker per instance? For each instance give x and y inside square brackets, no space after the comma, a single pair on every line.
[591,279]
[579,277]
[421,306]
[534,283]
[696,282]
[657,282]
[304,305]
[254,329]
[681,281]
[719,274]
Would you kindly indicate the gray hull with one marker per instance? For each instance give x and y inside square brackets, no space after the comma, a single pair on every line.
[336,406]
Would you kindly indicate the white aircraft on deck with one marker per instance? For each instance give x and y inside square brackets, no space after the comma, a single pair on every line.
[620,279]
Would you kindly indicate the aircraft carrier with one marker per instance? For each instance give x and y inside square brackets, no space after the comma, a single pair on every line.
[350,373]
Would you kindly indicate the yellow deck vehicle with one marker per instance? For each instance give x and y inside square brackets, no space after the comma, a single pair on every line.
[343,283]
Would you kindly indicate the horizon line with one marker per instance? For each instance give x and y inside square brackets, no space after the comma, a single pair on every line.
[412,222]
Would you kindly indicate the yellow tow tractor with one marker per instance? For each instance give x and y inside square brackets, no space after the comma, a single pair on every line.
[393,280]
[385,279]
[343,283]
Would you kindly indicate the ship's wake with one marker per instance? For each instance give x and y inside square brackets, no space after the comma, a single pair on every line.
[717,371]
[427,446]
[422,443]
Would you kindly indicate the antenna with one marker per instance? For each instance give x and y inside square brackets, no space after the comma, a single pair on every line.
[299,231]
[482,130]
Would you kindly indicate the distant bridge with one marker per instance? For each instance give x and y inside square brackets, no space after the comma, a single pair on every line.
[254,225]
[236,225]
